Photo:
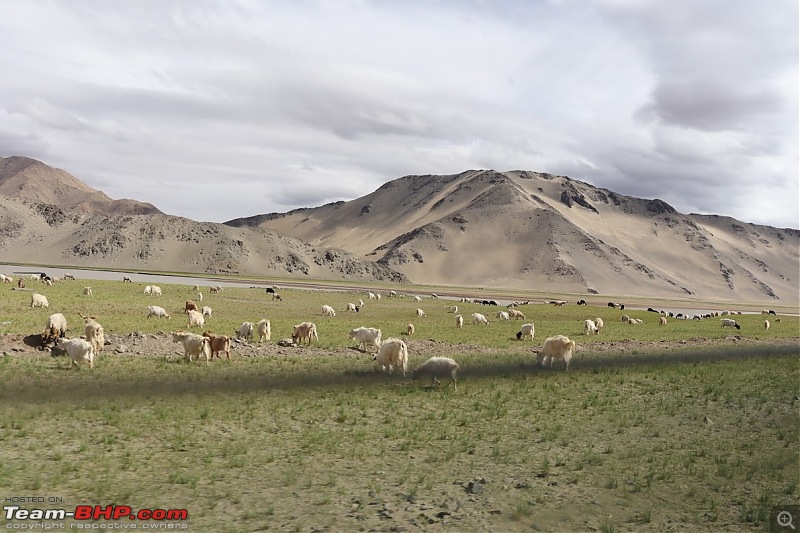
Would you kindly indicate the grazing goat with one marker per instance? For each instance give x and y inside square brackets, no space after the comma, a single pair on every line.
[729,323]
[589,327]
[410,329]
[327,310]
[304,330]
[189,306]
[79,350]
[557,347]
[453,309]
[39,300]
[599,324]
[55,328]
[158,312]
[478,319]
[503,315]
[393,354]
[264,330]
[207,311]
[420,313]
[127,278]
[527,330]
[662,321]
[437,367]
[245,331]
[365,336]
[218,343]
[352,307]
[195,319]
[515,314]
[87,291]
[193,345]
[459,321]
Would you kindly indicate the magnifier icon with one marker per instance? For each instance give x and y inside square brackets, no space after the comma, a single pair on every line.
[785,519]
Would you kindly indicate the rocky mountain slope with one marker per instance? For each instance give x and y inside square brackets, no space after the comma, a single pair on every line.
[38,233]
[29,179]
[538,231]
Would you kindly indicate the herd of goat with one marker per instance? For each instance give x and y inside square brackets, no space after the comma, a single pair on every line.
[390,354]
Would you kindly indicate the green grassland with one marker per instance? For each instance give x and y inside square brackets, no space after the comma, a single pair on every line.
[687,427]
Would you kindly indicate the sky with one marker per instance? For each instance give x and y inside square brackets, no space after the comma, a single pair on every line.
[215,110]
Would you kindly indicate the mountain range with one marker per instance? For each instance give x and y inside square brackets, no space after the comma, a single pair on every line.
[481,228]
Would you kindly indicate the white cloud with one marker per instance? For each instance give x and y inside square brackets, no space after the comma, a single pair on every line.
[269,106]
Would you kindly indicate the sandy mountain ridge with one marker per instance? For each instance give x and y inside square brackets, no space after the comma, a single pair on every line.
[29,179]
[538,231]
[482,228]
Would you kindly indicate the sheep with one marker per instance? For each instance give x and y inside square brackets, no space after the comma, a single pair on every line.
[67,276]
[437,367]
[392,294]
[410,329]
[478,318]
[245,331]
[599,324]
[21,283]
[304,330]
[148,290]
[218,343]
[196,288]
[729,323]
[557,347]
[127,278]
[527,330]
[420,313]
[207,311]
[635,321]
[48,282]
[87,291]
[79,350]
[6,279]
[766,325]
[503,315]
[199,296]
[626,318]
[195,319]
[277,296]
[417,299]
[327,310]
[589,327]
[193,345]
[94,333]
[434,295]
[35,277]
[157,312]
[351,307]
[156,290]
[39,300]
[453,309]
[378,296]
[371,295]
[189,306]
[55,329]
[264,330]
[459,322]
[364,336]
[662,321]
[515,314]
[213,289]
[393,354]
[765,311]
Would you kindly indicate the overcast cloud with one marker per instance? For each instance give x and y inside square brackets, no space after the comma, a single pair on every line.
[215,110]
